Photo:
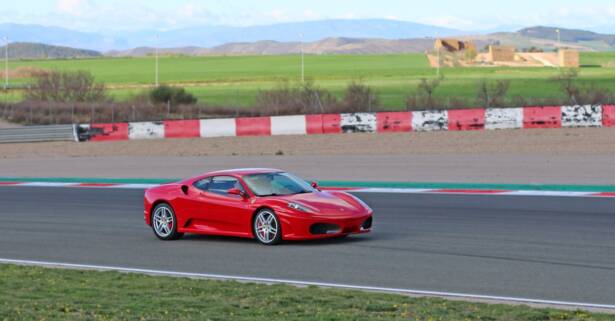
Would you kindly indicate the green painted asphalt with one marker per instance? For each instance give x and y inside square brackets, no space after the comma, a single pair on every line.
[418,185]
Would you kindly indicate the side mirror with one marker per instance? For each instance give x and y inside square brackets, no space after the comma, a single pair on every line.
[185,189]
[236,191]
[314,185]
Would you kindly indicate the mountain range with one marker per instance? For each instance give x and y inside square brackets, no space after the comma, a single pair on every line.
[211,36]
[328,37]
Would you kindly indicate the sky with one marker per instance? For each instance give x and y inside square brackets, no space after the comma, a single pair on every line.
[117,15]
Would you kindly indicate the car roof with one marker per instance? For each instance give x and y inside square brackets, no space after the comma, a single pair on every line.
[244,171]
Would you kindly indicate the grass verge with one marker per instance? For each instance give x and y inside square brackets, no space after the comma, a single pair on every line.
[33,293]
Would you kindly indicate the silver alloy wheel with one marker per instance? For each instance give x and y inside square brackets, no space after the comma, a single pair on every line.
[266,226]
[163,221]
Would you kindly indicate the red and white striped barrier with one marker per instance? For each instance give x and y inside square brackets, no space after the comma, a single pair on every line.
[382,122]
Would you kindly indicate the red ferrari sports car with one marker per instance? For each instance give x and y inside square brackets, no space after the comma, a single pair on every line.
[267,204]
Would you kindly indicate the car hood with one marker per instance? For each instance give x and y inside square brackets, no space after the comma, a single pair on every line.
[326,202]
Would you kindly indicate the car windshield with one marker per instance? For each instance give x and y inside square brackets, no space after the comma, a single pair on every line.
[273,184]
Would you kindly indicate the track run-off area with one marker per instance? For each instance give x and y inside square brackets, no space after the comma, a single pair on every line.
[517,247]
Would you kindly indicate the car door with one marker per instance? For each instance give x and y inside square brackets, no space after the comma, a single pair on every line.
[221,212]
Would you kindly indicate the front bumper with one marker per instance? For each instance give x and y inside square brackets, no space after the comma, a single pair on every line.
[295,227]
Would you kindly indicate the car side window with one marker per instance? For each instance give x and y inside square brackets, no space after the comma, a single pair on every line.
[202,184]
[221,184]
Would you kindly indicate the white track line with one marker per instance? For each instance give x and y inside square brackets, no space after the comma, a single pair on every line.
[306,283]
[43,184]
[478,193]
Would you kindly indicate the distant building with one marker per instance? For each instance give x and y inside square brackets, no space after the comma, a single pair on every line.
[569,58]
[454,45]
[501,53]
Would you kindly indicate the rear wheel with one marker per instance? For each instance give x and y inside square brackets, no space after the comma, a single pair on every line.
[267,228]
[164,223]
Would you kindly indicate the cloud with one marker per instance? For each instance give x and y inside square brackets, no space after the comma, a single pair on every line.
[309,14]
[349,15]
[74,7]
[277,14]
[451,22]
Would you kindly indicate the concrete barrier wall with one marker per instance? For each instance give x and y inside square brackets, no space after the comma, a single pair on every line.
[394,122]
[358,123]
[288,125]
[608,115]
[385,122]
[582,116]
[503,118]
[426,121]
[466,119]
[218,127]
[542,117]
[146,130]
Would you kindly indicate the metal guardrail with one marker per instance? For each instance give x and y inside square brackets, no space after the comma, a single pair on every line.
[30,134]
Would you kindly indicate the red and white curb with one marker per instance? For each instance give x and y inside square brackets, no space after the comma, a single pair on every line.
[75,185]
[356,190]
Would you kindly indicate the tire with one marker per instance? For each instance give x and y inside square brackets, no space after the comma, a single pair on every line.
[164,222]
[266,227]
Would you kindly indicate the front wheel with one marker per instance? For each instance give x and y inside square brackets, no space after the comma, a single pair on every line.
[267,227]
[164,223]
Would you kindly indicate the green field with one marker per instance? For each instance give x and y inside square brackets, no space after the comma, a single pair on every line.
[236,80]
[30,293]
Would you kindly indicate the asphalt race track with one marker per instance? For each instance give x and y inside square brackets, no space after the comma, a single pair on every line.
[551,248]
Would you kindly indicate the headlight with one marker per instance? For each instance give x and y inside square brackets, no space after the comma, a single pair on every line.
[299,207]
[362,203]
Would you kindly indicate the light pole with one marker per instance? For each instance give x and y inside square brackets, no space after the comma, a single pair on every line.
[6,63]
[438,54]
[559,46]
[156,54]
[302,60]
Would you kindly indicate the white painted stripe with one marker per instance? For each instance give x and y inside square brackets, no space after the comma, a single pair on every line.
[134,186]
[305,283]
[288,125]
[44,184]
[218,127]
[146,130]
[549,193]
[503,193]
[393,190]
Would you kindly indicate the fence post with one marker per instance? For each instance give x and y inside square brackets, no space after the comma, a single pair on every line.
[133,113]
[91,113]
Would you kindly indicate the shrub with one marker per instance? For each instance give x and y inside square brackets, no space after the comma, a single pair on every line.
[567,82]
[66,86]
[577,94]
[492,94]
[360,97]
[287,99]
[424,96]
[173,95]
